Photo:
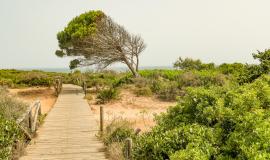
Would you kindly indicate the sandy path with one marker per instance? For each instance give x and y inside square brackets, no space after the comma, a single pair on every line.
[139,110]
[29,95]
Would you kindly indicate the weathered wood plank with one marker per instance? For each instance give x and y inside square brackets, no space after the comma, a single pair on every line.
[69,131]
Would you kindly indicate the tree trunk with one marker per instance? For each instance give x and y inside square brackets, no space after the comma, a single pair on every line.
[137,63]
[132,69]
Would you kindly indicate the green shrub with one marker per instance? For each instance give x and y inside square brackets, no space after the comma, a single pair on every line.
[107,95]
[17,78]
[141,82]
[35,79]
[191,153]
[169,91]
[6,82]
[10,107]
[201,78]
[121,81]
[192,64]
[114,136]
[228,122]
[117,131]
[10,110]
[143,91]
[156,86]
[9,134]
[159,144]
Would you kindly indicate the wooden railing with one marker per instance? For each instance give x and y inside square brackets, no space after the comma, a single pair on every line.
[29,120]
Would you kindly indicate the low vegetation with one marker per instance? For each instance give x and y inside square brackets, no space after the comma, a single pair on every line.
[222,110]
[212,123]
[10,134]
[114,136]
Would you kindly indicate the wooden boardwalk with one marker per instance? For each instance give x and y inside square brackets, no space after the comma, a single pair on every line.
[69,131]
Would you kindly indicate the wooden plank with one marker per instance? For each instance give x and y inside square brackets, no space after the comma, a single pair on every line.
[69,131]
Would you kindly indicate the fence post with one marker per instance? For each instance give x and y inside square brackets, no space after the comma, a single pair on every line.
[101,119]
[84,88]
[30,120]
[128,145]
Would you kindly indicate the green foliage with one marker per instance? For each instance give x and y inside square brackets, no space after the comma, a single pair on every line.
[159,145]
[191,153]
[218,122]
[10,107]
[143,91]
[264,58]
[9,134]
[160,74]
[17,78]
[251,73]
[190,64]
[234,68]
[168,91]
[78,28]
[117,131]
[74,64]
[107,95]
[201,78]
[10,110]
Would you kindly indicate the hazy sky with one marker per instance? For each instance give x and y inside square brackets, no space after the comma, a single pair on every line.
[211,30]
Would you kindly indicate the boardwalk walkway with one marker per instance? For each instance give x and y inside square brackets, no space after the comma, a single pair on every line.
[69,131]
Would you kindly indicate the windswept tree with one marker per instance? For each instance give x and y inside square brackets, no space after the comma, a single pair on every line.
[93,38]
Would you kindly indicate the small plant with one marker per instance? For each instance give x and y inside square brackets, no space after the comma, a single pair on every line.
[141,82]
[9,133]
[169,91]
[10,110]
[114,136]
[88,97]
[107,95]
[143,91]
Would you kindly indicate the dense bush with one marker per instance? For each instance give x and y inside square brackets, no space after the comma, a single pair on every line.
[10,110]
[114,136]
[17,78]
[212,123]
[202,78]
[169,91]
[143,91]
[117,131]
[234,68]
[9,134]
[161,74]
[107,95]
[191,64]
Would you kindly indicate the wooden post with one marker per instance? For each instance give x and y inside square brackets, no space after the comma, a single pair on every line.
[84,88]
[30,120]
[101,119]
[128,145]
[39,111]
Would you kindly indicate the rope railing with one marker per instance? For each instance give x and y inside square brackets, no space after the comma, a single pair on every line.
[30,118]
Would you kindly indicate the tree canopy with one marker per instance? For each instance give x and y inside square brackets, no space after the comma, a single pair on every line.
[93,38]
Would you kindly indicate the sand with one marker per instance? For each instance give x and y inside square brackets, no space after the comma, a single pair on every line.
[29,95]
[139,110]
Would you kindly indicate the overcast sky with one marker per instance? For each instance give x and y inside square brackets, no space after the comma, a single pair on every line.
[211,30]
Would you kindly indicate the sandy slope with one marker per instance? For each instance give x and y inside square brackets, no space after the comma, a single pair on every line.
[29,95]
[139,110]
